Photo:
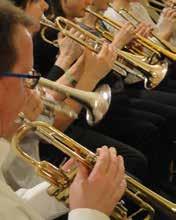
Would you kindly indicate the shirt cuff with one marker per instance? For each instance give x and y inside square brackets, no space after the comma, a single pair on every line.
[37,197]
[87,214]
[55,73]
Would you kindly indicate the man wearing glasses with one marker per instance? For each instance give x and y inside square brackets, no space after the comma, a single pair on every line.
[86,199]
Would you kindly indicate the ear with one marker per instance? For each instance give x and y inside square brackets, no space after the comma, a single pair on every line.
[1,93]
[27,5]
[64,4]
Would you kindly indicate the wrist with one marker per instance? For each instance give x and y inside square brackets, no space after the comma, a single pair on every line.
[64,62]
[70,78]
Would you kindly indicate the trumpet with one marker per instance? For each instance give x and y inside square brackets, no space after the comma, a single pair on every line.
[167,49]
[153,11]
[159,5]
[52,107]
[96,103]
[61,180]
[152,75]
[155,7]
[117,26]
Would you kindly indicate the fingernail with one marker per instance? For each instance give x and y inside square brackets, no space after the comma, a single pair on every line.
[113,150]
[121,160]
[98,150]
[105,147]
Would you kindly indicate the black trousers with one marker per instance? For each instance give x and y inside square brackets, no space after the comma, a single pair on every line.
[169,87]
[157,102]
[142,130]
[138,128]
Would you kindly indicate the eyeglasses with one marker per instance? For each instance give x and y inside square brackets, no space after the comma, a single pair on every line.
[31,79]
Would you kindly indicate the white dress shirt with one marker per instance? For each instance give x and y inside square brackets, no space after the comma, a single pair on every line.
[34,203]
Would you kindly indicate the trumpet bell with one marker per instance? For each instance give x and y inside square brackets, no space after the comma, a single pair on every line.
[100,105]
[158,73]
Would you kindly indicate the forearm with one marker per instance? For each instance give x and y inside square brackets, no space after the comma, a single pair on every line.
[62,121]
[64,62]
[69,78]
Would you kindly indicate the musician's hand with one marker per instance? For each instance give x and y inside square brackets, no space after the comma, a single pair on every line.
[167,23]
[144,30]
[33,105]
[103,187]
[124,36]
[97,66]
[69,164]
[69,50]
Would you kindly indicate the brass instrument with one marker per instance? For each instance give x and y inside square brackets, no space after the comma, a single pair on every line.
[61,180]
[153,74]
[165,48]
[52,107]
[155,7]
[96,103]
[117,26]
[157,72]
[153,11]
[159,5]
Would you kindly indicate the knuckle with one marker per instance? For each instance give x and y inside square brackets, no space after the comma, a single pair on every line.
[97,178]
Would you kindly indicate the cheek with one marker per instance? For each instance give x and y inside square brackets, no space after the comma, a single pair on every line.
[35,12]
[31,59]
[29,54]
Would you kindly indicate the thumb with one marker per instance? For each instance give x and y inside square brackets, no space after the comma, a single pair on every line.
[60,37]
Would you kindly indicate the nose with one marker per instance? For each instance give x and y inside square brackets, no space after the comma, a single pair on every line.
[44,6]
[88,2]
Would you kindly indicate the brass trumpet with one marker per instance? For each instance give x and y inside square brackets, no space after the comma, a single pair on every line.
[96,103]
[61,180]
[159,5]
[167,49]
[153,11]
[117,26]
[152,75]
[155,7]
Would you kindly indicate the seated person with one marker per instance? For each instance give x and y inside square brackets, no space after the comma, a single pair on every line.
[87,79]
[109,168]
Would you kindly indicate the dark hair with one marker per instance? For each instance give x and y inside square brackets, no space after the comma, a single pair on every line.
[10,17]
[56,8]
[20,3]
